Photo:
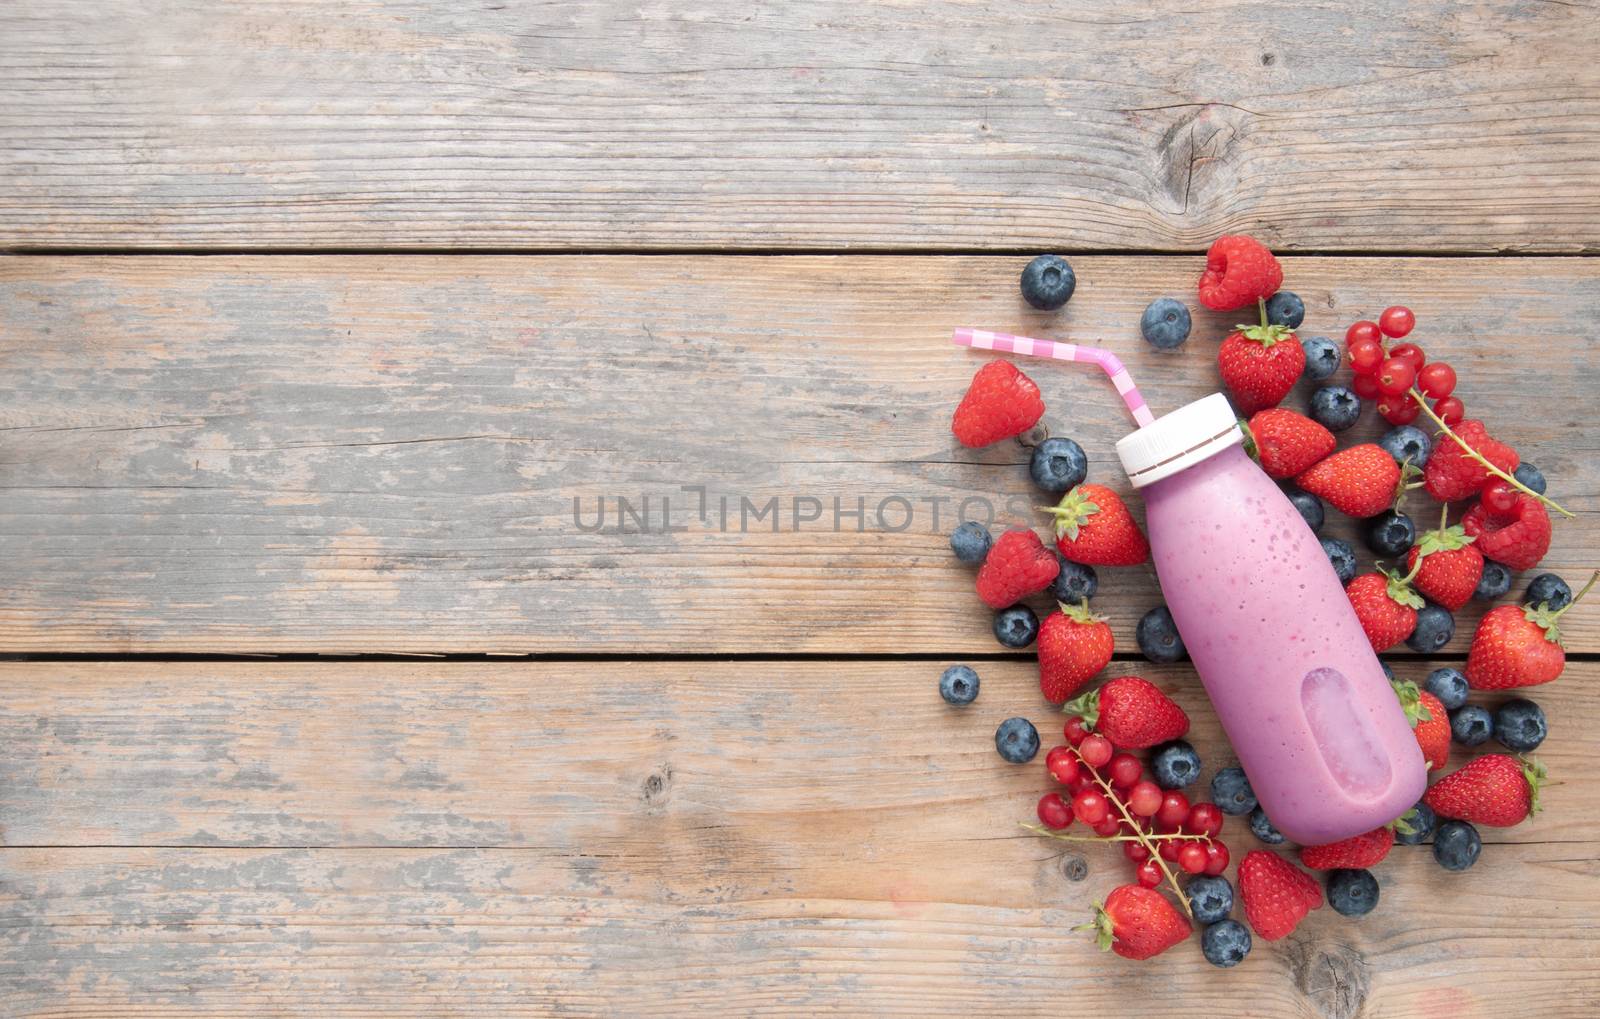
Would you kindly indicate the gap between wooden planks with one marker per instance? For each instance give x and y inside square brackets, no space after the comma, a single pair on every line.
[776,838]
[360,455]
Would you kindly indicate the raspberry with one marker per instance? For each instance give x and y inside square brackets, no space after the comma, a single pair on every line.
[1518,540]
[1000,403]
[1016,567]
[1451,474]
[1239,271]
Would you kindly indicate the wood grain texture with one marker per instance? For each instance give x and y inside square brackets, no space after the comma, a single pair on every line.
[1429,126]
[728,838]
[289,454]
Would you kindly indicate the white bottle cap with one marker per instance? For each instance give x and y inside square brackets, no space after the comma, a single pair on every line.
[1179,440]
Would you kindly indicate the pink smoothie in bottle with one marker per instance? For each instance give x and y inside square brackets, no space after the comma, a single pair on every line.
[1317,727]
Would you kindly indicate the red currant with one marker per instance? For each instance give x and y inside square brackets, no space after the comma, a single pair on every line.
[1363,330]
[1499,498]
[1399,410]
[1083,781]
[1124,770]
[1365,386]
[1366,356]
[1108,827]
[1192,858]
[1135,851]
[1203,819]
[1437,380]
[1144,799]
[1174,809]
[1450,410]
[1090,807]
[1169,850]
[1409,352]
[1096,750]
[1216,858]
[1062,764]
[1075,730]
[1054,812]
[1148,875]
[1395,376]
[1397,321]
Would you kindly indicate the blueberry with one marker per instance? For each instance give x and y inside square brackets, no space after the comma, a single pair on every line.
[1158,637]
[1494,583]
[1352,892]
[1531,476]
[1548,590]
[1390,533]
[1449,685]
[1421,820]
[1211,898]
[1322,357]
[1174,764]
[1285,308]
[1471,725]
[1309,506]
[1335,408]
[1074,583]
[1058,464]
[1343,558]
[1017,740]
[1048,282]
[1407,443]
[959,685]
[1231,792]
[1435,627]
[1520,725]
[1263,829]
[1165,323]
[1225,943]
[1456,845]
[971,542]
[1016,627]
[1388,670]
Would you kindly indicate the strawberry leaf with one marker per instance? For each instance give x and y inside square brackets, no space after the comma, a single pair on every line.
[1071,513]
[1411,701]
[1544,619]
[1103,934]
[1086,707]
[1403,824]
[1535,773]
[1265,335]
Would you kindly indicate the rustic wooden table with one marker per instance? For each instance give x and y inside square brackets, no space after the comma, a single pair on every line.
[272,516]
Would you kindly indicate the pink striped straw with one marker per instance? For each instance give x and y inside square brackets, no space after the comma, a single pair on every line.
[982,339]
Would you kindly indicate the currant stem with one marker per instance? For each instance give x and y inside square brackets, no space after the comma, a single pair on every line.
[1497,472]
[1051,833]
[1585,590]
[1261,306]
[1149,844]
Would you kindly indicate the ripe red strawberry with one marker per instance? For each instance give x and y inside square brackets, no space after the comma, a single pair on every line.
[1277,895]
[1074,645]
[1138,923]
[1518,645]
[1000,403]
[1359,481]
[1357,852]
[1451,566]
[1519,541]
[1260,364]
[1428,719]
[1496,789]
[1131,712]
[1454,474]
[1239,271]
[1386,606]
[1017,566]
[1093,527]
[1287,443]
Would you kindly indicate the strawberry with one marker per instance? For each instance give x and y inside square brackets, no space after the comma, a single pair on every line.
[1138,923]
[1130,712]
[1017,566]
[1518,541]
[1497,790]
[1000,403]
[1286,443]
[1260,364]
[1518,645]
[1239,272]
[1094,527]
[1386,607]
[1277,895]
[1451,566]
[1453,473]
[1074,645]
[1428,720]
[1357,852]
[1359,481]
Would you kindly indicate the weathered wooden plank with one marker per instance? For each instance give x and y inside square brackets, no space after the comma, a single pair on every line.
[358,455]
[733,838]
[576,125]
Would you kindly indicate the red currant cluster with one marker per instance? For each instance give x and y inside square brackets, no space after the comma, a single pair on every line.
[1113,797]
[1386,374]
